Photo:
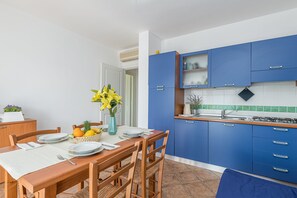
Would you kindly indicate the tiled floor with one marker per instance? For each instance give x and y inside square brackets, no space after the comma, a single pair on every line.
[179,181]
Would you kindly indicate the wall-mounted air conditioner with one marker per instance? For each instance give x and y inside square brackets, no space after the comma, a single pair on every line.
[129,55]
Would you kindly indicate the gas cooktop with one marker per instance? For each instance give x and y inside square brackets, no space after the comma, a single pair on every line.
[275,119]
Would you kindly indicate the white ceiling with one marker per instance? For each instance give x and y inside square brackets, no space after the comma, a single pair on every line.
[117,22]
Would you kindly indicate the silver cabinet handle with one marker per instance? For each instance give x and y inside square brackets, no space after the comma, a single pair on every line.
[276,67]
[280,143]
[280,156]
[280,129]
[229,125]
[189,122]
[160,89]
[229,85]
[280,170]
[3,127]
[160,86]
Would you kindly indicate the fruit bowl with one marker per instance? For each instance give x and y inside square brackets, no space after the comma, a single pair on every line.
[94,138]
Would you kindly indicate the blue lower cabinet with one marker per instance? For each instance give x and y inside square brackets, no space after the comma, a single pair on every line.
[191,140]
[230,145]
[161,113]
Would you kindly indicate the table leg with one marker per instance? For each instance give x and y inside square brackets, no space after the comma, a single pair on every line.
[152,179]
[10,186]
[49,192]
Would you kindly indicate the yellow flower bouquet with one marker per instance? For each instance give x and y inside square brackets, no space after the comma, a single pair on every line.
[109,99]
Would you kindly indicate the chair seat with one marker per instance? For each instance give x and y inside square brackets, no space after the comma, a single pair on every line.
[149,173]
[104,192]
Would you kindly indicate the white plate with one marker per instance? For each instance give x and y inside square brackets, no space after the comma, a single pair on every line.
[84,147]
[52,137]
[52,142]
[86,154]
[133,133]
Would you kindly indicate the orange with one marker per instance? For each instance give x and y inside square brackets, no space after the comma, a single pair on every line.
[77,132]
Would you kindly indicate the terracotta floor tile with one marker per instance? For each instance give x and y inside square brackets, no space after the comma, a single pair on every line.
[212,185]
[205,175]
[198,189]
[170,179]
[187,177]
[177,191]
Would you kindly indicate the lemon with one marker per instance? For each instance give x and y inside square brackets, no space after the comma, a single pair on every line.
[77,132]
[97,130]
[90,133]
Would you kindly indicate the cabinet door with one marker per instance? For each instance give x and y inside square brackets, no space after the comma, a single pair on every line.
[162,70]
[230,145]
[161,113]
[273,54]
[191,140]
[231,66]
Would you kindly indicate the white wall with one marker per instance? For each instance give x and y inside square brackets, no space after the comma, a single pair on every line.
[48,70]
[270,26]
[148,44]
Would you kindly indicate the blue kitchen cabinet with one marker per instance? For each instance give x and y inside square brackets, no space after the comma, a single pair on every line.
[230,145]
[274,152]
[274,59]
[162,70]
[194,69]
[162,74]
[161,113]
[191,140]
[231,66]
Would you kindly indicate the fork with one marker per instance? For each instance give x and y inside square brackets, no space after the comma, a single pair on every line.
[60,157]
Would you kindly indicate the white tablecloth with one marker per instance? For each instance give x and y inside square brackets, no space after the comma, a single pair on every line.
[21,162]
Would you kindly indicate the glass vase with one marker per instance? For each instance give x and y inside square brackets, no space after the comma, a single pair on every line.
[112,126]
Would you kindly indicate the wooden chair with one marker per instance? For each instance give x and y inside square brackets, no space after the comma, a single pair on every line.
[149,166]
[104,188]
[91,124]
[14,139]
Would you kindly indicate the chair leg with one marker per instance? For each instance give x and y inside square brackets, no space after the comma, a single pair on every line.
[80,186]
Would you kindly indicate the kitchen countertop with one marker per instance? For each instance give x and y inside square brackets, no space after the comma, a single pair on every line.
[226,120]
[16,122]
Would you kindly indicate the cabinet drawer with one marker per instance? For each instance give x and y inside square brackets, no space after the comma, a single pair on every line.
[276,159]
[286,147]
[280,173]
[278,133]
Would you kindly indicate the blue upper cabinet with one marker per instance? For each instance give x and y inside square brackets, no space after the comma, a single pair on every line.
[162,70]
[191,140]
[231,66]
[194,70]
[230,145]
[274,59]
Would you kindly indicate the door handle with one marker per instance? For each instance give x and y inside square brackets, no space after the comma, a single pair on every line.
[229,125]
[280,143]
[189,122]
[280,170]
[280,129]
[276,67]
[280,156]
[229,85]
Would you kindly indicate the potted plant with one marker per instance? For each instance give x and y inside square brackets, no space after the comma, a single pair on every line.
[109,99]
[195,102]
[12,113]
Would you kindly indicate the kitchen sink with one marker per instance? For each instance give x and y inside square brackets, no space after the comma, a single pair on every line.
[234,118]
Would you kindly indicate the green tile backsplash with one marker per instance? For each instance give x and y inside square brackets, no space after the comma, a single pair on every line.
[284,109]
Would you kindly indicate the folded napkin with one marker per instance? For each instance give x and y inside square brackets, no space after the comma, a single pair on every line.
[109,146]
[28,145]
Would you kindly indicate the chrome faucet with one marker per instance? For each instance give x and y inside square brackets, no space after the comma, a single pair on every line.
[223,113]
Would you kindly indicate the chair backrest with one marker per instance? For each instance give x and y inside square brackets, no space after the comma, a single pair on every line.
[129,167]
[14,139]
[91,124]
[151,164]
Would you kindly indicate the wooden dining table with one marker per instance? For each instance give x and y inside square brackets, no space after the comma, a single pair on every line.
[55,179]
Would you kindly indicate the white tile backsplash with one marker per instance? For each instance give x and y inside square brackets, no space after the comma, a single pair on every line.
[266,94]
